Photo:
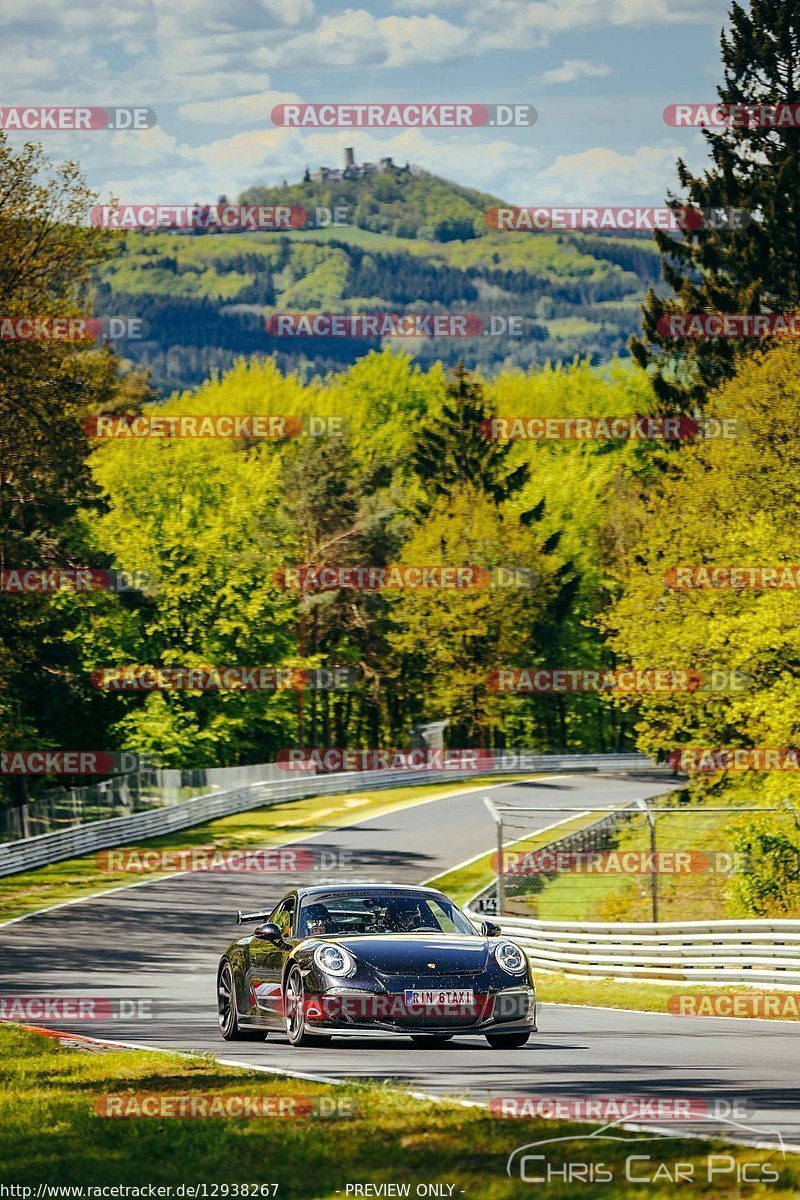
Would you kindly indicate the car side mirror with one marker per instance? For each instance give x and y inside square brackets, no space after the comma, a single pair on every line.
[269,932]
[490,929]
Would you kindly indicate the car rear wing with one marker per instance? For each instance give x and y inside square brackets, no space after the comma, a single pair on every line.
[241,917]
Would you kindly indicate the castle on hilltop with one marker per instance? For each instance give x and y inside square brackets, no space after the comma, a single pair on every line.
[354,170]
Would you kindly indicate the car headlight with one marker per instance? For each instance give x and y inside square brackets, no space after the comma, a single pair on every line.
[510,958]
[334,960]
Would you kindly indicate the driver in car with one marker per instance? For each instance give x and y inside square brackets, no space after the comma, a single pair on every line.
[318,920]
[405,918]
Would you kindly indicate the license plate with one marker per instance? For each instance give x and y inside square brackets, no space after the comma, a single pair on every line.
[438,996]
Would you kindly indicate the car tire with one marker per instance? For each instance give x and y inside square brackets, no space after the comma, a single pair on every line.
[226,1005]
[294,1016]
[506,1041]
[431,1039]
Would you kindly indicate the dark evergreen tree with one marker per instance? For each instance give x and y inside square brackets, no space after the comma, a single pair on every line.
[454,449]
[756,169]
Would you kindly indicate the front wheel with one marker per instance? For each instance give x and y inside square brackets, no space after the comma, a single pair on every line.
[431,1039]
[295,1017]
[506,1041]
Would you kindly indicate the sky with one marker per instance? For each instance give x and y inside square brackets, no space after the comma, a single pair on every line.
[599,73]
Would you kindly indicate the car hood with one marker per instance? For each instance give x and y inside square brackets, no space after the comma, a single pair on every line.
[405,954]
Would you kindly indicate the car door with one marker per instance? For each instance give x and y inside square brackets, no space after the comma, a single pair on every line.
[266,965]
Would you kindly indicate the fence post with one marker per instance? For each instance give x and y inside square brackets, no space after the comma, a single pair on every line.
[501,868]
[645,808]
[651,816]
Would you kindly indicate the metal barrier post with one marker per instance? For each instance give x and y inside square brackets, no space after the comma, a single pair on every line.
[501,868]
[654,853]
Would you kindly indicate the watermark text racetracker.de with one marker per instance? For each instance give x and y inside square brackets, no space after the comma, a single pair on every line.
[723,577]
[223,1104]
[246,426]
[387,324]
[38,1009]
[729,325]
[607,429]
[554,862]
[734,758]
[732,116]
[397,758]
[215,679]
[431,1004]
[274,860]
[410,115]
[67,762]
[623,680]
[618,1108]
[72,329]
[199,216]
[402,577]
[629,218]
[38,580]
[80,118]
[782,1006]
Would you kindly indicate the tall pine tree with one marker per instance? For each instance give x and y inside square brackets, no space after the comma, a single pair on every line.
[454,450]
[755,269]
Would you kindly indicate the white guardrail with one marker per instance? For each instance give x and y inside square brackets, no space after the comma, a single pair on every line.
[117,831]
[754,952]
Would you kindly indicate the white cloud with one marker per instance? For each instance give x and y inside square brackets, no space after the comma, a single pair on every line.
[356,38]
[422,40]
[177,18]
[520,24]
[57,77]
[160,52]
[572,69]
[65,19]
[142,51]
[256,106]
[604,176]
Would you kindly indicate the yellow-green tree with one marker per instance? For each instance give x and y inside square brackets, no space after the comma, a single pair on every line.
[731,502]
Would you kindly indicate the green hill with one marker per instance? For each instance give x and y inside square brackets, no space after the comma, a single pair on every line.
[394,201]
[414,243]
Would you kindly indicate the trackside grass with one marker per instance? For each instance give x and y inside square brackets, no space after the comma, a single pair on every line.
[53,1135]
[709,999]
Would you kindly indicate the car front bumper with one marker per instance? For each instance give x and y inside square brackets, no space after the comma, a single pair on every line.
[350,1010]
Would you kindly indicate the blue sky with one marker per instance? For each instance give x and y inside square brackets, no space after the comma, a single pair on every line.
[599,72]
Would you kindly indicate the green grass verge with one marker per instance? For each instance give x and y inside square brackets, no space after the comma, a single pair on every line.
[30,891]
[52,1134]
[554,988]
[618,897]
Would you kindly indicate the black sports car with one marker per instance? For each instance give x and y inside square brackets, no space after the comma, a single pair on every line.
[337,960]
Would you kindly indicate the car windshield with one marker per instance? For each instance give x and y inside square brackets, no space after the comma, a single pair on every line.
[354,913]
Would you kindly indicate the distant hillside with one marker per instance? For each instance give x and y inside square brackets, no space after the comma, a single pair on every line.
[393,201]
[414,243]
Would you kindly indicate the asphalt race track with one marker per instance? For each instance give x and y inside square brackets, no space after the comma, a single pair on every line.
[160,942]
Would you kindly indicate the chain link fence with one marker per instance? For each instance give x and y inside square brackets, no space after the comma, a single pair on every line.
[140,791]
[653,861]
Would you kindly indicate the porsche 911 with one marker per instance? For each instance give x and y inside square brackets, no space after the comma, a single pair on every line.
[334,960]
